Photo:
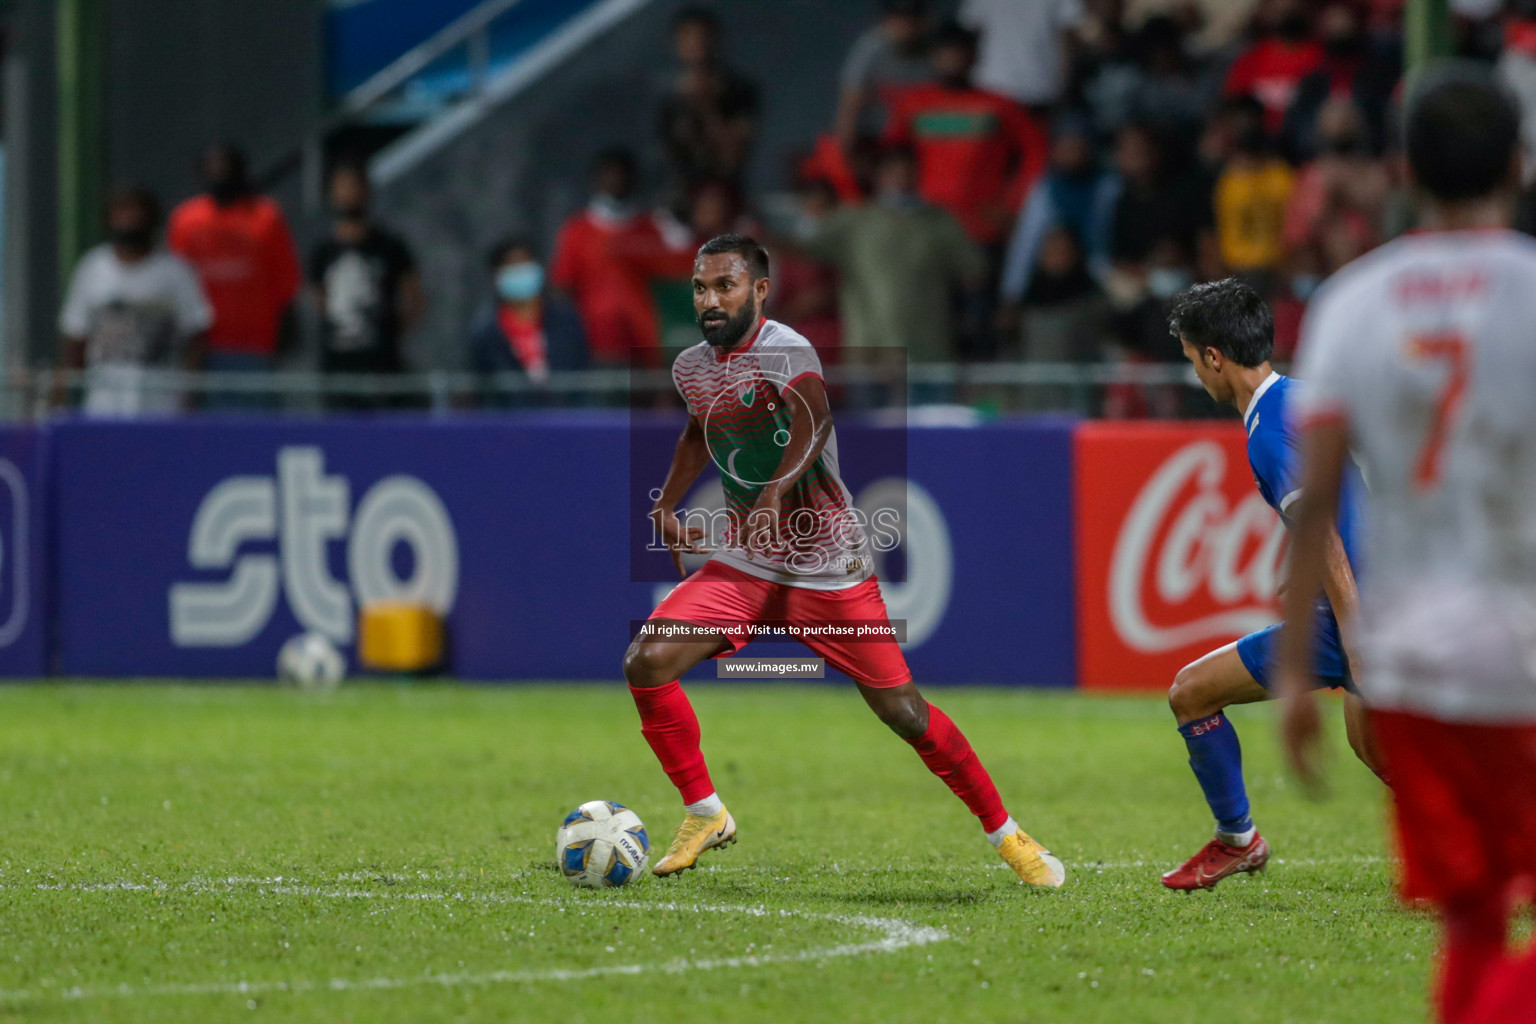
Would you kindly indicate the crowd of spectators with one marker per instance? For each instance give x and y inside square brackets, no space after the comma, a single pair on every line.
[1034,181]
[1027,180]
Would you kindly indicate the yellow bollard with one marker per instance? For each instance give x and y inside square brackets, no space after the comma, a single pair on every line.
[395,637]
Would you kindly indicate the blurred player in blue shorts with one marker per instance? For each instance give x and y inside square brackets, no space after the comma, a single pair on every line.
[1227,334]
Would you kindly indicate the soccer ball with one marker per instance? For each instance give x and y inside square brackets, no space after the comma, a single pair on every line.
[602,844]
[311,662]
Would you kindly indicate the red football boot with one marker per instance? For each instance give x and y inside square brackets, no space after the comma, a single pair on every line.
[1215,861]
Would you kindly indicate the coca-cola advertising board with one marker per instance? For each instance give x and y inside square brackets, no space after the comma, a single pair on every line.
[1177,553]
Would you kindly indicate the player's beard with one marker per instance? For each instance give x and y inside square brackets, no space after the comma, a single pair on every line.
[724,332]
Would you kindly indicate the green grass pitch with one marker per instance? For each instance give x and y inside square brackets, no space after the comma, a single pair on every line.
[386,853]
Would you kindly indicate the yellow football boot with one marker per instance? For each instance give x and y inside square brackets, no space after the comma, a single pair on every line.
[1032,861]
[695,835]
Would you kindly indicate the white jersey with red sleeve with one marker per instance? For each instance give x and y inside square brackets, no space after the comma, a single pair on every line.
[1426,350]
[738,397]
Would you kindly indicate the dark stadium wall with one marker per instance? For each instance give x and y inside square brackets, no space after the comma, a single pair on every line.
[184,73]
[31,286]
[523,168]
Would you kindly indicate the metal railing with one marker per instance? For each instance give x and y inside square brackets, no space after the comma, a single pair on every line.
[1006,387]
[471,31]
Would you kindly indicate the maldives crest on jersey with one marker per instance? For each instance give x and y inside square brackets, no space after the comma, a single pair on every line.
[746,391]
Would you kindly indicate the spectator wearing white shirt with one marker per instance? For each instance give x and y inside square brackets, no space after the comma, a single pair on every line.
[1024,46]
[132,306]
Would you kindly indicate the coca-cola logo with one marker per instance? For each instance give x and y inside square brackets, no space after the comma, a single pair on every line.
[1185,548]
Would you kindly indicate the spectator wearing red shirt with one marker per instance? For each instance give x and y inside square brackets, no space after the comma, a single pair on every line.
[610,296]
[978,153]
[239,244]
[1271,69]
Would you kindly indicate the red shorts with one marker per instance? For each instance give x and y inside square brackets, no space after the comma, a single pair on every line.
[727,599]
[1465,799]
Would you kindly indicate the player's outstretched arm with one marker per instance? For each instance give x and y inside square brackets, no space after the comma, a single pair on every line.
[1323,451]
[809,428]
[688,461]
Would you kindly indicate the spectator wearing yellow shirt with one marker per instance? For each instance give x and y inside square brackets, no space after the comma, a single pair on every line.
[1250,202]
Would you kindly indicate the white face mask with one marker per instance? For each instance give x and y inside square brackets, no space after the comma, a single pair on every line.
[1166,282]
[610,210]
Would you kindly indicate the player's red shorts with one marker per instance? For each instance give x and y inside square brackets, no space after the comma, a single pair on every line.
[729,600]
[1465,800]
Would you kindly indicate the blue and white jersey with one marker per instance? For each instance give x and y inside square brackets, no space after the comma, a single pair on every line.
[1274,455]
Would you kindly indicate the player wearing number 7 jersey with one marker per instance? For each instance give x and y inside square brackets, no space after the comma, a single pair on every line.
[1421,359]
[1227,335]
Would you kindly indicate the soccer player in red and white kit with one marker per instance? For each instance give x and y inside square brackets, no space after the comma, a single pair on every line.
[1421,358]
[794,551]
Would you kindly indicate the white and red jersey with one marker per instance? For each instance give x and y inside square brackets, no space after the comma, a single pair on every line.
[738,398]
[1426,350]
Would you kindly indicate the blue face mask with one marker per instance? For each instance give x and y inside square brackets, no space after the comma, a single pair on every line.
[1303,285]
[520,282]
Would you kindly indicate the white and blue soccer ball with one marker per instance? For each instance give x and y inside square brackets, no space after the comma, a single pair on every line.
[601,845]
[311,662]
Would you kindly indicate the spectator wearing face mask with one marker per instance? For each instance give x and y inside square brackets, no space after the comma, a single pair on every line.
[523,328]
[1159,209]
[710,207]
[366,288]
[240,246]
[898,259]
[131,307]
[1141,329]
[805,289]
[1271,69]
[589,266]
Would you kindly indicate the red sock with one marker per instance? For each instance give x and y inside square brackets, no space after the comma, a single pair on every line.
[1475,936]
[671,728]
[1508,991]
[948,754]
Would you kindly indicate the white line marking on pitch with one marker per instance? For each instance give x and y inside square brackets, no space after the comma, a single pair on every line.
[895,935]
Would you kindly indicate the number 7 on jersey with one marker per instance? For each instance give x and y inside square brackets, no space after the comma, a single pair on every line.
[1449,348]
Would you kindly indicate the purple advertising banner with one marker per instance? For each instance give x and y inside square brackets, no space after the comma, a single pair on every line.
[197,548]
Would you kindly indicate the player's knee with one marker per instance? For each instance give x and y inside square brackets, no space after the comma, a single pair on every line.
[905,716]
[1184,697]
[646,664]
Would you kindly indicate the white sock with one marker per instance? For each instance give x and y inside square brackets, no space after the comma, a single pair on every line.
[1238,838]
[708,807]
[1007,829]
